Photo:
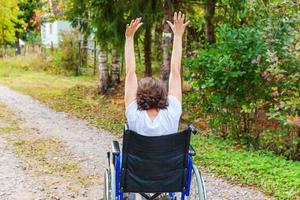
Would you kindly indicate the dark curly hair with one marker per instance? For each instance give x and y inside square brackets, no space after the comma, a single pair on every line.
[151,93]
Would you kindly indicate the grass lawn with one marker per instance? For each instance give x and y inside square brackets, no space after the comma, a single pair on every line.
[78,96]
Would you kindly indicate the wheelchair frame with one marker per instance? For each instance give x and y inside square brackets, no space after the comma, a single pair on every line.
[115,166]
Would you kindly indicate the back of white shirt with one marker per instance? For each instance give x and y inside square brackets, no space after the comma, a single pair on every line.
[166,122]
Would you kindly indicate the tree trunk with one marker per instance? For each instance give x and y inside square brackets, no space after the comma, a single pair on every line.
[103,73]
[166,43]
[84,55]
[95,58]
[115,69]
[147,50]
[209,19]
[18,48]
[5,51]
[157,54]
[77,72]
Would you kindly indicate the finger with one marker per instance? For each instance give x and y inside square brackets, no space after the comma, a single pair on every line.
[139,25]
[131,23]
[175,17]
[127,27]
[186,23]
[179,16]
[170,24]
[182,18]
[139,20]
[136,21]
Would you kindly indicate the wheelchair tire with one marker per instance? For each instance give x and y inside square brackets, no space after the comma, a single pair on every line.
[107,186]
[197,189]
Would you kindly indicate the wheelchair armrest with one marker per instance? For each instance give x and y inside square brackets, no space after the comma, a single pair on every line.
[115,147]
[192,151]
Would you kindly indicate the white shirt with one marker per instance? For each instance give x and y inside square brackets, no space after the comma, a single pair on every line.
[166,122]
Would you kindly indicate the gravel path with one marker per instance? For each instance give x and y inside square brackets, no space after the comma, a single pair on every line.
[14,183]
[89,145]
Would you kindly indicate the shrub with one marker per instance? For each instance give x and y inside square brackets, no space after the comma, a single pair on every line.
[249,81]
[227,78]
[69,51]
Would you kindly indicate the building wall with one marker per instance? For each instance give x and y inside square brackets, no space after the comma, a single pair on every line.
[50,32]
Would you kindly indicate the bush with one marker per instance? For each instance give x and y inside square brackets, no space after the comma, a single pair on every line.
[68,59]
[227,78]
[249,81]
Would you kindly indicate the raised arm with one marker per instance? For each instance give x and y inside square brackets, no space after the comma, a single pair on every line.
[175,78]
[131,79]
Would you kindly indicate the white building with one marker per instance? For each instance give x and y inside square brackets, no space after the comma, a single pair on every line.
[51,32]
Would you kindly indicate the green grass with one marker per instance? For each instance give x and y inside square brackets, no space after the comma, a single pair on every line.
[273,174]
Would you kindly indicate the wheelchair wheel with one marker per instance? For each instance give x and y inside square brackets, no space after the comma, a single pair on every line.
[197,189]
[107,186]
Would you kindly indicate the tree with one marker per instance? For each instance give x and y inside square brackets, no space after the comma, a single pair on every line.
[78,14]
[27,20]
[169,6]
[166,41]
[107,18]
[103,73]
[104,21]
[151,13]
[209,19]
[9,11]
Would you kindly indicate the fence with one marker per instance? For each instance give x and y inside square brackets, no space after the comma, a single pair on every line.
[85,57]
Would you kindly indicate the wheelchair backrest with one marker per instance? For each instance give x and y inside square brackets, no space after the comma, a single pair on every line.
[154,164]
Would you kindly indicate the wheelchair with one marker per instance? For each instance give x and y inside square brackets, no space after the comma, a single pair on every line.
[154,167]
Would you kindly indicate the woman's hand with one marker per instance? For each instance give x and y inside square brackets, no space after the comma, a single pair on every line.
[133,27]
[179,26]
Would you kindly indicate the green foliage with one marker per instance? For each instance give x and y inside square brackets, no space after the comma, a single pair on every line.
[227,77]
[78,14]
[233,12]
[9,11]
[107,18]
[283,72]
[28,15]
[69,51]
[33,38]
[253,69]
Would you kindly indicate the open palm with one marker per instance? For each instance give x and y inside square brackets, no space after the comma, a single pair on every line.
[179,26]
[133,27]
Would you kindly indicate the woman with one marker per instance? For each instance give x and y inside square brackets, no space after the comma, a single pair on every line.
[150,109]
